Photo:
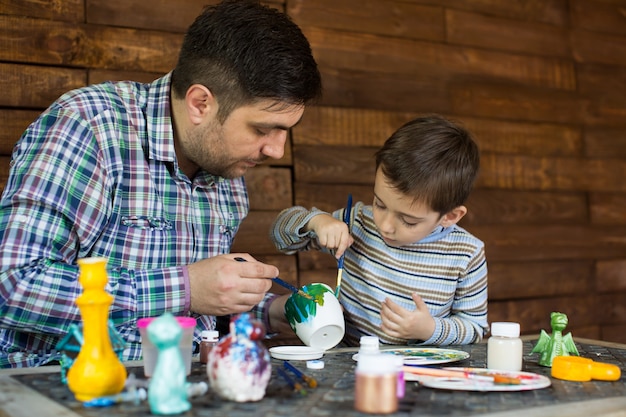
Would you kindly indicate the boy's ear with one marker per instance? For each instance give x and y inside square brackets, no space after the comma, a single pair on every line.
[453,217]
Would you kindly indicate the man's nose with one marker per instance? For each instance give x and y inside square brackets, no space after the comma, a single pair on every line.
[275,146]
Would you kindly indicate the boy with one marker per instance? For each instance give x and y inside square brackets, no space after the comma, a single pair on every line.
[411,274]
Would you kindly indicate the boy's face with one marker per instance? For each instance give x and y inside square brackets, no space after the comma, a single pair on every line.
[400,220]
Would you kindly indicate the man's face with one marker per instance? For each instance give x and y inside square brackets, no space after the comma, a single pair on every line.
[250,135]
[399,219]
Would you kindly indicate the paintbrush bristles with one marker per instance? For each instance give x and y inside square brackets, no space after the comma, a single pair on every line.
[312,382]
[293,384]
[292,288]
[338,287]
[309,380]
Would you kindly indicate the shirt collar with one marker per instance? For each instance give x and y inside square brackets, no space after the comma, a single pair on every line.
[159,120]
[160,128]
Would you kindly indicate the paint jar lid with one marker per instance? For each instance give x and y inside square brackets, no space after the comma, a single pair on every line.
[369,344]
[185,322]
[505,329]
[316,364]
[378,363]
[210,335]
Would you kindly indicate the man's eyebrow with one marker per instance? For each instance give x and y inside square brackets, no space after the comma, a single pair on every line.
[276,126]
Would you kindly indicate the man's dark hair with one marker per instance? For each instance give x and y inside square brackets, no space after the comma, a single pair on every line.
[244,52]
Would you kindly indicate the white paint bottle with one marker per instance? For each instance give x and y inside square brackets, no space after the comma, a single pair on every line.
[369,345]
[504,348]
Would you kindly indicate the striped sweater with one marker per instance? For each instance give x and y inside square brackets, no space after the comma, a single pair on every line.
[447,269]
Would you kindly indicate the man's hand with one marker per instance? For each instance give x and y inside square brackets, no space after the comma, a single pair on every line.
[331,233]
[404,324]
[221,285]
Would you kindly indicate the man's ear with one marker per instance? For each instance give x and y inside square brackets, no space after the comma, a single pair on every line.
[453,217]
[200,103]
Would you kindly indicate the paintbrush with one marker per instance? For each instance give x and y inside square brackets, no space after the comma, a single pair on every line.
[496,378]
[296,386]
[284,284]
[346,220]
[312,382]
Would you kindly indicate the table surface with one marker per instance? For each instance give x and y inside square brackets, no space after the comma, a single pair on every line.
[39,392]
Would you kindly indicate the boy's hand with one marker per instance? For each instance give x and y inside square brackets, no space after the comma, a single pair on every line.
[404,324]
[331,233]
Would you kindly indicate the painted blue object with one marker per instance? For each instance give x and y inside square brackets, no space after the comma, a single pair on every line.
[346,220]
[293,369]
[239,366]
[167,392]
[135,396]
[292,384]
[311,382]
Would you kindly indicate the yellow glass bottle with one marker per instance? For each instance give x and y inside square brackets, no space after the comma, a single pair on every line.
[97,371]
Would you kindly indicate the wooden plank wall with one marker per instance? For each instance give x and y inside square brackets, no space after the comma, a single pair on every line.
[541,83]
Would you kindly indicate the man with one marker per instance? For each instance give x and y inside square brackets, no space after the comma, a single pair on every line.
[149,176]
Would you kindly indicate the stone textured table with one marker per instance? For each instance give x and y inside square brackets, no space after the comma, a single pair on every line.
[335,392]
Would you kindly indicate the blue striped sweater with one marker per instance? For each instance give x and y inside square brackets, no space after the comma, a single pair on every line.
[447,269]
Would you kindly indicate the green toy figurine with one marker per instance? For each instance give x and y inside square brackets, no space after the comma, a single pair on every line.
[556,345]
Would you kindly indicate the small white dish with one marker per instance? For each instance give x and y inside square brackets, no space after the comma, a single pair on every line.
[295,353]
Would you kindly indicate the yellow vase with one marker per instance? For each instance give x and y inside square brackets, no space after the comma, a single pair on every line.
[97,371]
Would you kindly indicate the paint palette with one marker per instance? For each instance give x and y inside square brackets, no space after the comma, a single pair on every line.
[529,381]
[295,353]
[425,356]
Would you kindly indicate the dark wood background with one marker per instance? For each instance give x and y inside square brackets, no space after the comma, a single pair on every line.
[541,83]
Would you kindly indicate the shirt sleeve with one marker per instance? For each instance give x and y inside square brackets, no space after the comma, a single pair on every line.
[287,231]
[56,202]
[467,322]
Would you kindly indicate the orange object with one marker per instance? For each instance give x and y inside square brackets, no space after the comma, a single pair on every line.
[575,368]
[605,371]
[97,370]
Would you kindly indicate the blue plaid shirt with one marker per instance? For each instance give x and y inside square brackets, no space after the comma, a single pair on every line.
[96,175]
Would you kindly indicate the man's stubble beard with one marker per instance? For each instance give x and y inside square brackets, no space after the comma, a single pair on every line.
[206,148]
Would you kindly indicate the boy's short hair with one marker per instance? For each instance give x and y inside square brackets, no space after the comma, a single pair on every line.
[245,52]
[432,160]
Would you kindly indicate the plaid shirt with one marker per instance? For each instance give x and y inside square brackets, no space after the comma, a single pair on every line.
[96,175]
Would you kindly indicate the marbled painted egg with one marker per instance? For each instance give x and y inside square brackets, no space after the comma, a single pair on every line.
[239,366]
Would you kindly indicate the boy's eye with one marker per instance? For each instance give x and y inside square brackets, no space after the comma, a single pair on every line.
[409,224]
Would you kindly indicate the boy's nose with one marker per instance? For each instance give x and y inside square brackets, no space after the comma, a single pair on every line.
[386,225]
